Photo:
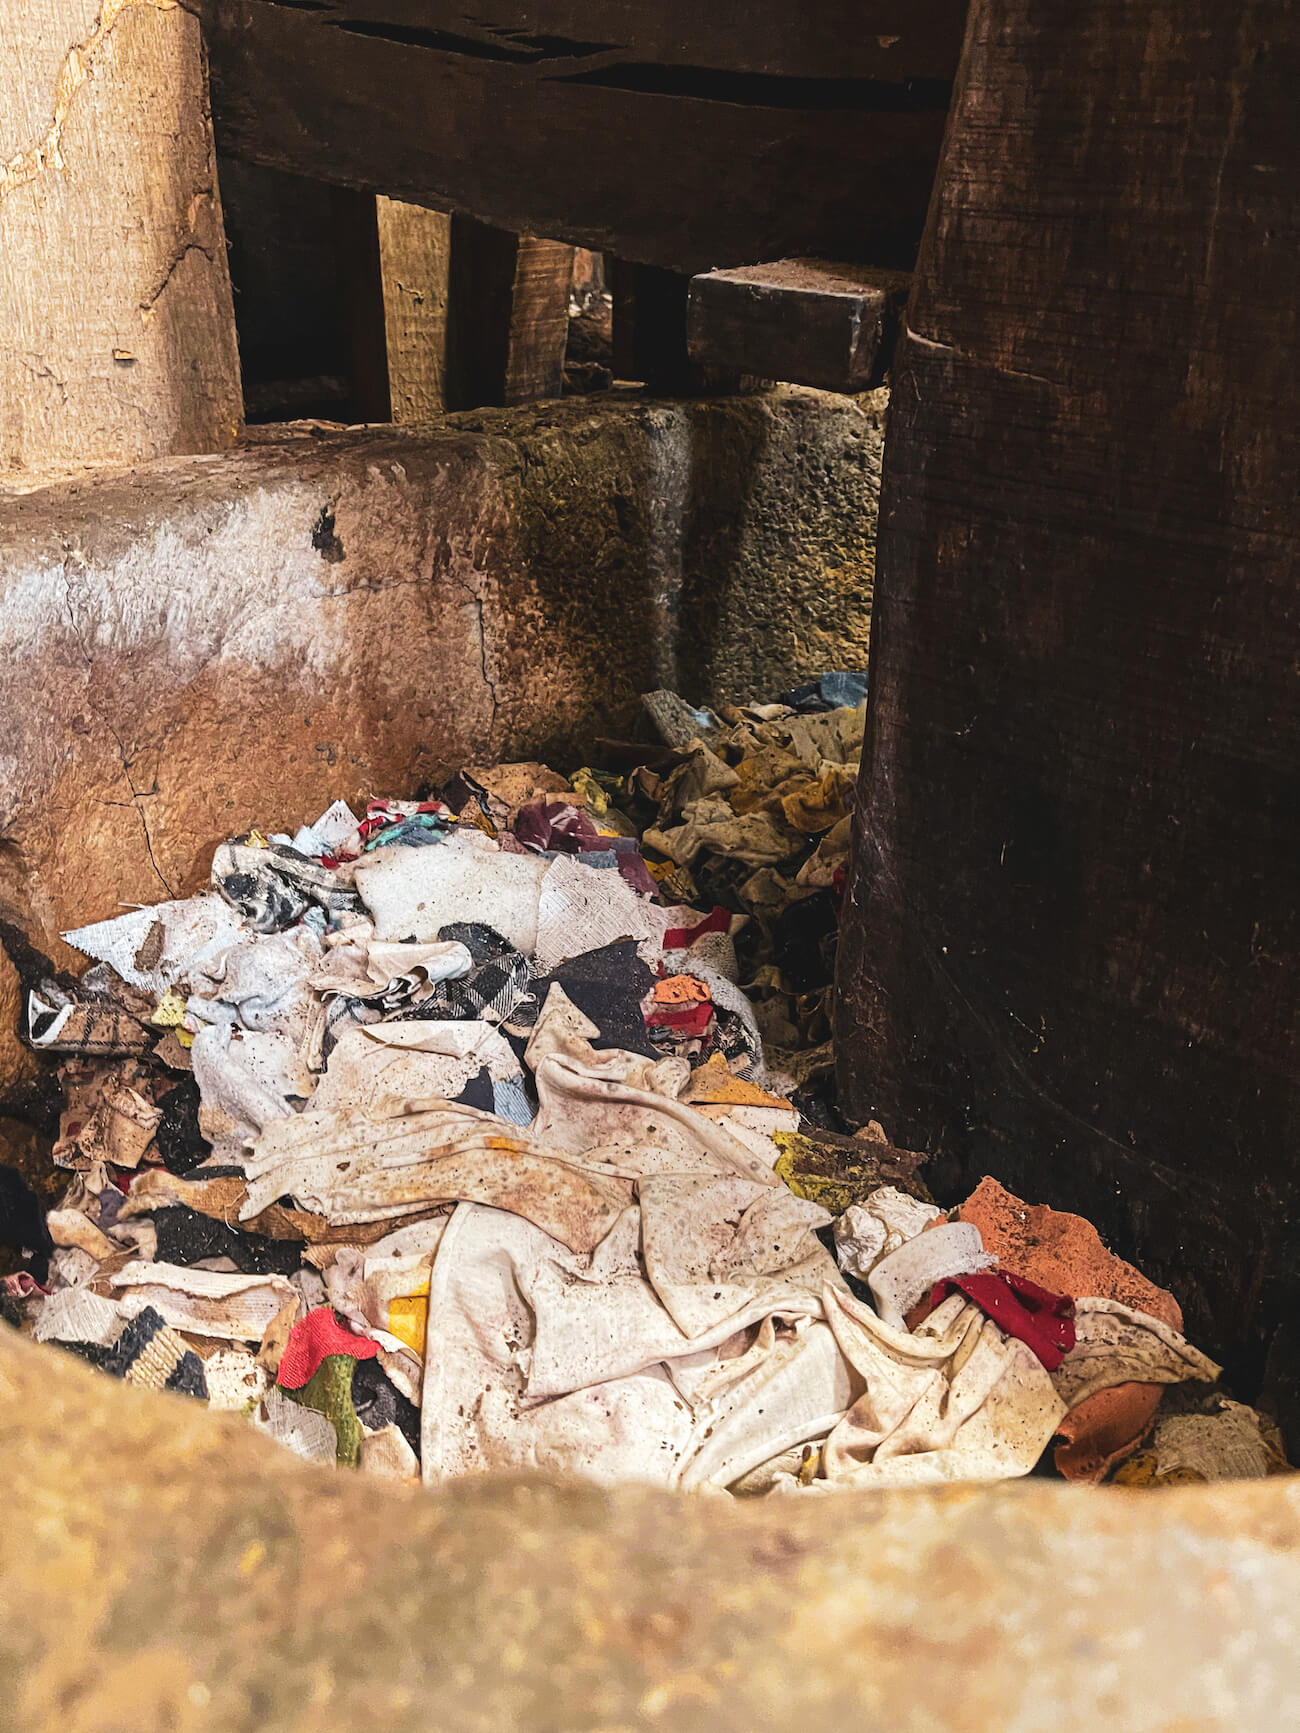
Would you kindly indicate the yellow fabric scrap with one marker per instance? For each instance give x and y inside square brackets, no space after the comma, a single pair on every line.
[408,1319]
[169,1013]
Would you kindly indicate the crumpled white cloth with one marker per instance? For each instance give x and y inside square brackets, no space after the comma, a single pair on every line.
[1116,1345]
[549,910]
[368,966]
[476,1416]
[156,947]
[624,1106]
[412,893]
[205,1302]
[356,1166]
[905,1276]
[885,1220]
[956,1400]
[712,1247]
[411,1060]
[261,983]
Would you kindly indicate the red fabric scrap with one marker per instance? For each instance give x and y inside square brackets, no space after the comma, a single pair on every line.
[312,1340]
[1042,1320]
[688,1020]
[682,938]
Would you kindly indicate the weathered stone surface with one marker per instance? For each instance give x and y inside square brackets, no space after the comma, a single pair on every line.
[163,1567]
[203,644]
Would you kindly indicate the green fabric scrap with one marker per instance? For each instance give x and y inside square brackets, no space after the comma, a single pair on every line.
[329,1392]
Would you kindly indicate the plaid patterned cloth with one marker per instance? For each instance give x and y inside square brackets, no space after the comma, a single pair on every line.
[500,980]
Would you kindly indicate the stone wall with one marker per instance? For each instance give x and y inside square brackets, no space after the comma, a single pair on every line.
[204,644]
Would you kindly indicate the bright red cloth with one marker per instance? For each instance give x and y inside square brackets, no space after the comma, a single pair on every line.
[682,938]
[1042,1320]
[312,1340]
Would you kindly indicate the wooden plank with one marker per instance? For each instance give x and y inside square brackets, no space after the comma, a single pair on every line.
[356,240]
[1071,937]
[414,252]
[117,335]
[539,320]
[672,134]
[807,321]
[507,316]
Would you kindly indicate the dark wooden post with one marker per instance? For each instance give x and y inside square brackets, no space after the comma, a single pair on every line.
[1071,936]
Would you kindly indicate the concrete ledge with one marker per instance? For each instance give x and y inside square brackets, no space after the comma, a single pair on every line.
[205,643]
[160,1566]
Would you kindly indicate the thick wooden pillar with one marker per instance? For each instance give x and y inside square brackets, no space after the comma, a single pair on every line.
[1071,936]
[117,336]
[507,316]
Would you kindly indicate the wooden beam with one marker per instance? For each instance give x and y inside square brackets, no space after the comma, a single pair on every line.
[356,240]
[117,333]
[806,321]
[666,131]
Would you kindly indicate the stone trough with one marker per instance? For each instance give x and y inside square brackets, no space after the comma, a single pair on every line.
[204,643]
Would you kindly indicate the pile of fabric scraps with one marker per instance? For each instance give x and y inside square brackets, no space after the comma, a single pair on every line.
[467,1135]
[749,809]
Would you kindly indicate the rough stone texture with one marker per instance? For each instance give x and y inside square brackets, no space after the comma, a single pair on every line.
[162,1567]
[203,644]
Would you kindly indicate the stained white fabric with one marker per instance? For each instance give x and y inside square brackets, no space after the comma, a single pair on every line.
[237,1308]
[714,1246]
[173,941]
[476,1416]
[407,1061]
[580,908]
[413,892]
[880,1224]
[906,1275]
[1116,1345]
[353,1166]
[956,1400]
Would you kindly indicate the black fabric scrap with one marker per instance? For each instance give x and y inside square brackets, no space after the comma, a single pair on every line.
[608,986]
[478,1092]
[22,1222]
[185,1236]
[178,1139]
[380,1403]
[187,1376]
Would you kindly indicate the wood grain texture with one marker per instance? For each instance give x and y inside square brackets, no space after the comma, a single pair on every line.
[1071,939]
[672,134]
[117,337]
[507,316]
[414,251]
[808,321]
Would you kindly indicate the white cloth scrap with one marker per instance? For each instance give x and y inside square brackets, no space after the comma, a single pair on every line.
[905,1276]
[155,947]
